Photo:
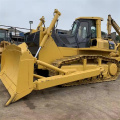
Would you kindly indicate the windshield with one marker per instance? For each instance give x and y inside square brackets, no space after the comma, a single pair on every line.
[74,28]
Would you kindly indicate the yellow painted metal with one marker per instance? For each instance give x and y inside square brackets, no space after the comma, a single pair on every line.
[109,26]
[66,51]
[50,66]
[96,18]
[48,32]
[98,26]
[49,53]
[50,47]
[111,23]
[97,49]
[42,21]
[18,76]
[112,68]
[61,79]
[17,68]
[42,29]
[99,61]
[84,63]
[78,67]
[38,76]
[3,45]
[17,71]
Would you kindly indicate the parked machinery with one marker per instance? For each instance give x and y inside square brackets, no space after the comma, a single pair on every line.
[80,57]
[4,39]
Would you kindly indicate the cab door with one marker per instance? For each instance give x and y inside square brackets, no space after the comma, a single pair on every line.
[83,34]
[86,31]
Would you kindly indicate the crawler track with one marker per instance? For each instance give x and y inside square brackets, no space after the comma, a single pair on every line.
[77,59]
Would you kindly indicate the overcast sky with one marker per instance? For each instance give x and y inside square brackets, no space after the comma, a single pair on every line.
[20,12]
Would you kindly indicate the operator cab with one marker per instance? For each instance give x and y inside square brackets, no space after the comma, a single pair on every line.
[83,30]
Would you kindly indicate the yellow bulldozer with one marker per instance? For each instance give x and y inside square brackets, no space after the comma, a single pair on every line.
[80,56]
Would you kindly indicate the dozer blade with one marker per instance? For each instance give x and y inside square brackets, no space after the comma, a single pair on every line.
[17,67]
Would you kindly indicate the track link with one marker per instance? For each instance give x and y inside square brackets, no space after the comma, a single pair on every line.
[70,60]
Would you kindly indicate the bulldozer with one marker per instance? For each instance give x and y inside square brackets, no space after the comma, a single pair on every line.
[80,56]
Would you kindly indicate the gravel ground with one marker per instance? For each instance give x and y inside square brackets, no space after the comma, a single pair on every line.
[100,101]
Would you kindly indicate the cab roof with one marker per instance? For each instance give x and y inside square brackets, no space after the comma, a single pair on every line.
[96,18]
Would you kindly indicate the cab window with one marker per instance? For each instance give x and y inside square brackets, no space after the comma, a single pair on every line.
[82,31]
[93,29]
[74,28]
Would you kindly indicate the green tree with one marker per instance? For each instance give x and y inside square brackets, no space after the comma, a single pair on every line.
[118,38]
